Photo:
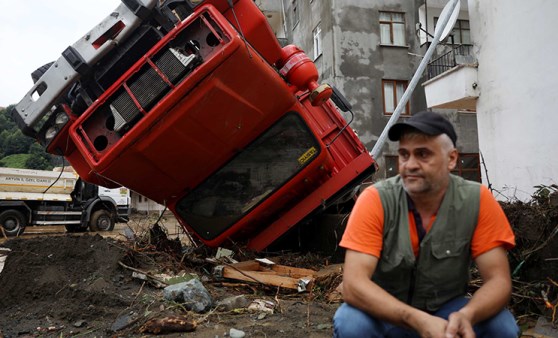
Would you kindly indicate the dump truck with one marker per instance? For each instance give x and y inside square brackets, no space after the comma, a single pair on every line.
[43,198]
[197,106]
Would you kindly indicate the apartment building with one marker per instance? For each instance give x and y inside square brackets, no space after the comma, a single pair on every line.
[511,83]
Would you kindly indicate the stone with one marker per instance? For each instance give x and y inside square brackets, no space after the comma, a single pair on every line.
[192,294]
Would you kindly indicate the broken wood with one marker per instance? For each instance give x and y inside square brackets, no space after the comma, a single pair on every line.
[147,275]
[269,274]
[170,324]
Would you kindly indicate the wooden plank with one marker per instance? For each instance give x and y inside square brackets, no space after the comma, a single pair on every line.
[247,265]
[291,271]
[254,265]
[267,279]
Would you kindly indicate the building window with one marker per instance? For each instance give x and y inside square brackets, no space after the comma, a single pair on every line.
[461,33]
[468,167]
[392,28]
[392,91]
[392,165]
[296,13]
[317,34]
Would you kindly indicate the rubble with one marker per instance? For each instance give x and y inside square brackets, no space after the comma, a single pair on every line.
[268,273]
[192,294]
[89,285]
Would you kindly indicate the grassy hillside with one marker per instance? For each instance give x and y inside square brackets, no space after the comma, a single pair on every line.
[15,161]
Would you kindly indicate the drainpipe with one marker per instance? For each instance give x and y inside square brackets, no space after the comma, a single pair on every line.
[426,19]
[333,47]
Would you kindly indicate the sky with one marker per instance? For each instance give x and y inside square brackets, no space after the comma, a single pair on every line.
[36,32]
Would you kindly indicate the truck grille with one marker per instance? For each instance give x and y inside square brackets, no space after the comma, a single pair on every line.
[148,87]
[149,77]
[123,109]
[171,63]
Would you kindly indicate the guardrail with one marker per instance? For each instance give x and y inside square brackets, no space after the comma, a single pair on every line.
[447,61]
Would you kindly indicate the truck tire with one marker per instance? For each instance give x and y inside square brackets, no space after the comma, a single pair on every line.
[101,220]
[13,222]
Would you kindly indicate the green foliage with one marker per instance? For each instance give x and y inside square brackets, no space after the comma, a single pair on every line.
[18,150]
[544,192]
[38,158]
[15,161]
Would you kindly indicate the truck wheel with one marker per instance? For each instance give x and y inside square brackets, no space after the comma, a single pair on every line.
[13,222]
[101,220]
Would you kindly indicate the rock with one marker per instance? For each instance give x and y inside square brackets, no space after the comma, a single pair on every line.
[79,323]
[231,303]
[234,333]
[192,294]
[122,322]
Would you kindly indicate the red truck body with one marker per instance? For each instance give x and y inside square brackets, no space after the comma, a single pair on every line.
[216,121]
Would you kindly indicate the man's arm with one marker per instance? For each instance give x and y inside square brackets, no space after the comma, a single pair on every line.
[361,292]
[492,296]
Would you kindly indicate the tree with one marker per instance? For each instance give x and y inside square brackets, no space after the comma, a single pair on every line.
[17,143]
[39,159]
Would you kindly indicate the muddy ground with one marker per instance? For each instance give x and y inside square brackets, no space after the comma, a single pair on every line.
[82,286]
[77,285]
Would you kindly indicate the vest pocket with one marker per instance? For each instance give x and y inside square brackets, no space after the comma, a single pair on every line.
[449,249]
[450,263]
[393,274]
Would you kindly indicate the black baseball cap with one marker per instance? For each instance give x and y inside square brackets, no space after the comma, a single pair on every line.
[427,122]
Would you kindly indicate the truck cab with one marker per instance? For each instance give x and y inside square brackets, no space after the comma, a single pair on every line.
[195,105]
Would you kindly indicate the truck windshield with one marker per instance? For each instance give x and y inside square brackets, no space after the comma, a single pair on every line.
[249,178]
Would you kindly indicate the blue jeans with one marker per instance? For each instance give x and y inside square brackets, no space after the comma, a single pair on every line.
[352,322]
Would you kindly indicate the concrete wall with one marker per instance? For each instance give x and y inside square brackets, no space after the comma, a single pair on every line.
[515,43]
[353,59]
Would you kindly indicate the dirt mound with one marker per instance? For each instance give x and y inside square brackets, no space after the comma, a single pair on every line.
[59,280]
[75,285]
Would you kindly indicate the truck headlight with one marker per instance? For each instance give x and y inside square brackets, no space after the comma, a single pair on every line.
[61,118]
[50,134]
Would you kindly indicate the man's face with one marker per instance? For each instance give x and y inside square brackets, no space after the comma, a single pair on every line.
[425,162]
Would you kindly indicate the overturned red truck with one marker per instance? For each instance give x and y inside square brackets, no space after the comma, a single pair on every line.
[195,105]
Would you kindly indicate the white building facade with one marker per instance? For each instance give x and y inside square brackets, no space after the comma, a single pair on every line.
[514,91]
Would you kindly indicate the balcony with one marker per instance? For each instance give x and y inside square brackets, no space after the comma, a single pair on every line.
[452,80]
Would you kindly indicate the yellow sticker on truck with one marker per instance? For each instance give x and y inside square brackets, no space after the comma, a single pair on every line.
[307,155]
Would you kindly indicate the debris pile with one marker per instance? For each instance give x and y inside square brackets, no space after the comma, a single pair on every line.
[93,286]
[534,261]
[150,284]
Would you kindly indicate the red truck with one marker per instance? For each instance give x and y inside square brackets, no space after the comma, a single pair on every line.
[195,105]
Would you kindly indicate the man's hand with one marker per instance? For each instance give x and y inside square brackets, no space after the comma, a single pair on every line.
[429,326]
[459,326]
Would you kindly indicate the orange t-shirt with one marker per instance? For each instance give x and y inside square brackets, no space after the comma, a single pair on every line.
[364,232]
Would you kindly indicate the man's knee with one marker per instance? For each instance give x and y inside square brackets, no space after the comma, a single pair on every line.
[502,325]
[349,321]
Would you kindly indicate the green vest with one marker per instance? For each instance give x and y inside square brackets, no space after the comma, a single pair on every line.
[441,271]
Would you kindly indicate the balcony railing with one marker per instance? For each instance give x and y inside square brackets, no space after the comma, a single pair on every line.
[448,60]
